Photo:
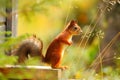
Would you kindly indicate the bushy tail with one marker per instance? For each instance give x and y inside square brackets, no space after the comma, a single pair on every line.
[30,47]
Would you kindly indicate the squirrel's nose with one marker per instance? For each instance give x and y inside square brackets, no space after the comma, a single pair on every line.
[81,31]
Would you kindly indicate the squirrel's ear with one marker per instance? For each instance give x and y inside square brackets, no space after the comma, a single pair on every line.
[72,22]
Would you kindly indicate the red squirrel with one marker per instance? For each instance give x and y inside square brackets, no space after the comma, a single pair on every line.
[55,51]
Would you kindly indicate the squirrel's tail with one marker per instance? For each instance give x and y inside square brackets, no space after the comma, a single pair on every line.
[29,47]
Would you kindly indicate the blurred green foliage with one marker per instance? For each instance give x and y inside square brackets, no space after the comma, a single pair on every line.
[7,44]
[10,42]
[3,5]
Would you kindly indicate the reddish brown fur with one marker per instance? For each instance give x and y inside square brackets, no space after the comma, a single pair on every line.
[55,50]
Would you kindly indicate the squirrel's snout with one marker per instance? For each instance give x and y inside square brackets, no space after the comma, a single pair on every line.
[81,31]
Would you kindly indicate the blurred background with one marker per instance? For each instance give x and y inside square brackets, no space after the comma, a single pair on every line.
[97,49]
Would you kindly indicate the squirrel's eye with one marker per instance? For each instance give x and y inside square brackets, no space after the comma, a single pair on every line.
[75,28]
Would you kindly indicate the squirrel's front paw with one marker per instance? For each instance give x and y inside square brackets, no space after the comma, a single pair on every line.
[70,42]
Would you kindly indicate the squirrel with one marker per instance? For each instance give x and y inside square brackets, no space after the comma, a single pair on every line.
[54,54]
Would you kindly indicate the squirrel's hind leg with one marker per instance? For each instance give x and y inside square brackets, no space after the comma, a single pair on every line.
[56,65]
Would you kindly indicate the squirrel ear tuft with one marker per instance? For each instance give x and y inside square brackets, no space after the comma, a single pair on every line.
[72,22]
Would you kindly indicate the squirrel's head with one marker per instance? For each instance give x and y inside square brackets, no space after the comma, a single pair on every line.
[73,28]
